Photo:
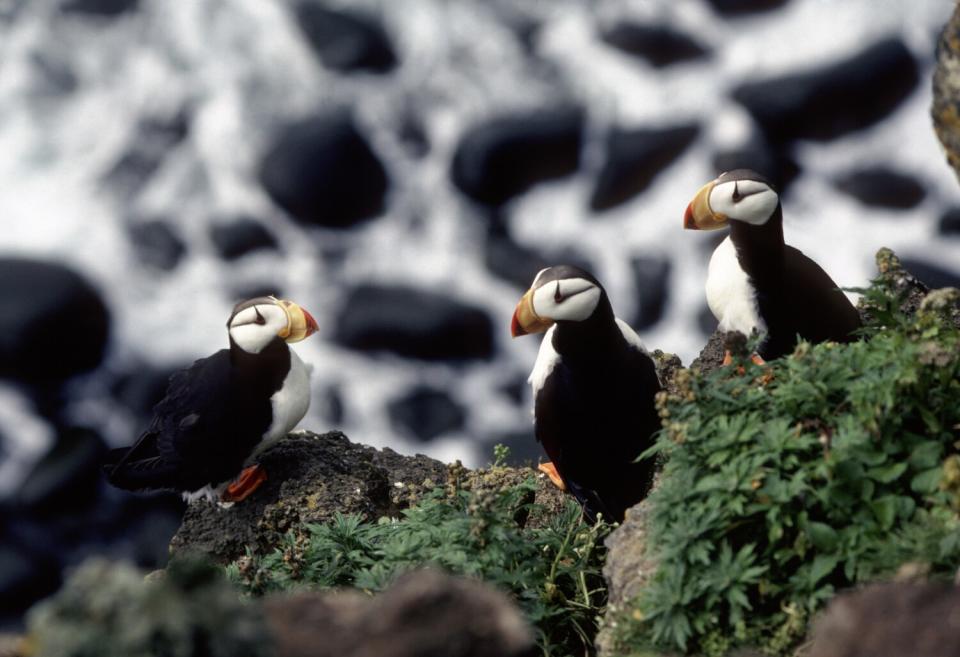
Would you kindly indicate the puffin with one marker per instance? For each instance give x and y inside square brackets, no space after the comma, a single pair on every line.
[757,282]
[593,389]
[224,410]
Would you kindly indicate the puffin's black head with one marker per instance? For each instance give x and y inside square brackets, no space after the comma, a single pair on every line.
[255,323]
[559,294]
[741,195]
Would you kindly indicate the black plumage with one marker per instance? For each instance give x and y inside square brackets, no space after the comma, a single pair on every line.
[595,410]
[212,418]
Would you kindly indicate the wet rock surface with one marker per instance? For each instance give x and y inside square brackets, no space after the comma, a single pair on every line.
[426,413]
[237,238]
[834,100]
[634,158]
[505,156]
[946,91]
[413,323]
[323,172]
[423,613]
[651,273]
[882,187]
[659,45]
[345,40]
[156,244]
[39,298]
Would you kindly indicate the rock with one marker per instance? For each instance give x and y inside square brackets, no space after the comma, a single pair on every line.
[323,172]
[524,448]
[423,613]
[156,244]
[835,99]
[660,45]
[890,620]
[651,274]
[633,160]
[40,300]
[627,571]
[882,187]
[240,237]
[150,144]
[426,413]
[505,156]
[345,40]
[946,91]
[25,577]
[741,7]
[519,264]
[949,223]
[310,478]
[332,403]
[757,154]
[413,323]
[99,7]
[140,389]
[931,275]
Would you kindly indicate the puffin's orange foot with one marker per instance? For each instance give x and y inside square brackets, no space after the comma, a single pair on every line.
[757,360]
[754,358]
[243,486]
[727,358]
[550,470]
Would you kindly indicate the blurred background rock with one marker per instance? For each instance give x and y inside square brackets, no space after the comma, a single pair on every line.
[403,170]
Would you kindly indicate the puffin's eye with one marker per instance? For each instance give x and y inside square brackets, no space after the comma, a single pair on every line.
[736,193]
[557,297]
[260,319]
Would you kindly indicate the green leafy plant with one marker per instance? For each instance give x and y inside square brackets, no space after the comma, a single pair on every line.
[553,572]
[786,482]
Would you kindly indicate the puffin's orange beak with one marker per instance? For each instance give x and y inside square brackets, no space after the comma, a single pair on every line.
[525,319]
[300,323]
[699,215]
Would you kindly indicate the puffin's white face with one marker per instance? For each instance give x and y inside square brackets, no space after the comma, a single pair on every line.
[750,201]
[558,294]
[258,322]
[568,299]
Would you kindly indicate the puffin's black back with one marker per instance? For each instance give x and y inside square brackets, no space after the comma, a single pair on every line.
[209,422]
[595,414]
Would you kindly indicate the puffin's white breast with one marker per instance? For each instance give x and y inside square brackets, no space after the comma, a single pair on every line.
[731,297]
[290,402]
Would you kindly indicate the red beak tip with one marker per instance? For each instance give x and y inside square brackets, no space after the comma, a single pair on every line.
[688,221]
[515,328]
[312,326]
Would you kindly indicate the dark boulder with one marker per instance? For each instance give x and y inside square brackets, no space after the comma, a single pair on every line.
[240,237]
[660,45]
[504,157]
[890,620]
[414,323]
[519,264]
[882,187]
[424,613]
[835,99]
[524,448]
[141,388]
[323,172]
[734,8]
[345,40]
[156,244]
[651,274]
[933,276]
[949,223]
[99,7]
[426,413]
[634,159]
[67,477]
[310,478]
[149,145]
[758,154]
[53,323]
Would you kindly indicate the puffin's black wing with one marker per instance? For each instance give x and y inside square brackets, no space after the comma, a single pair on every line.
[202,431]
[594,419]
[820,309]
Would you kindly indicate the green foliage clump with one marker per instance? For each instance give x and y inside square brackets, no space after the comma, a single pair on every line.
[109,610]
[553,572]
[786,482]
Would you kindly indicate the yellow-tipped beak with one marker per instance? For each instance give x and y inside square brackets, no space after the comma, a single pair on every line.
[525,319]
[699,216]
[300,323]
